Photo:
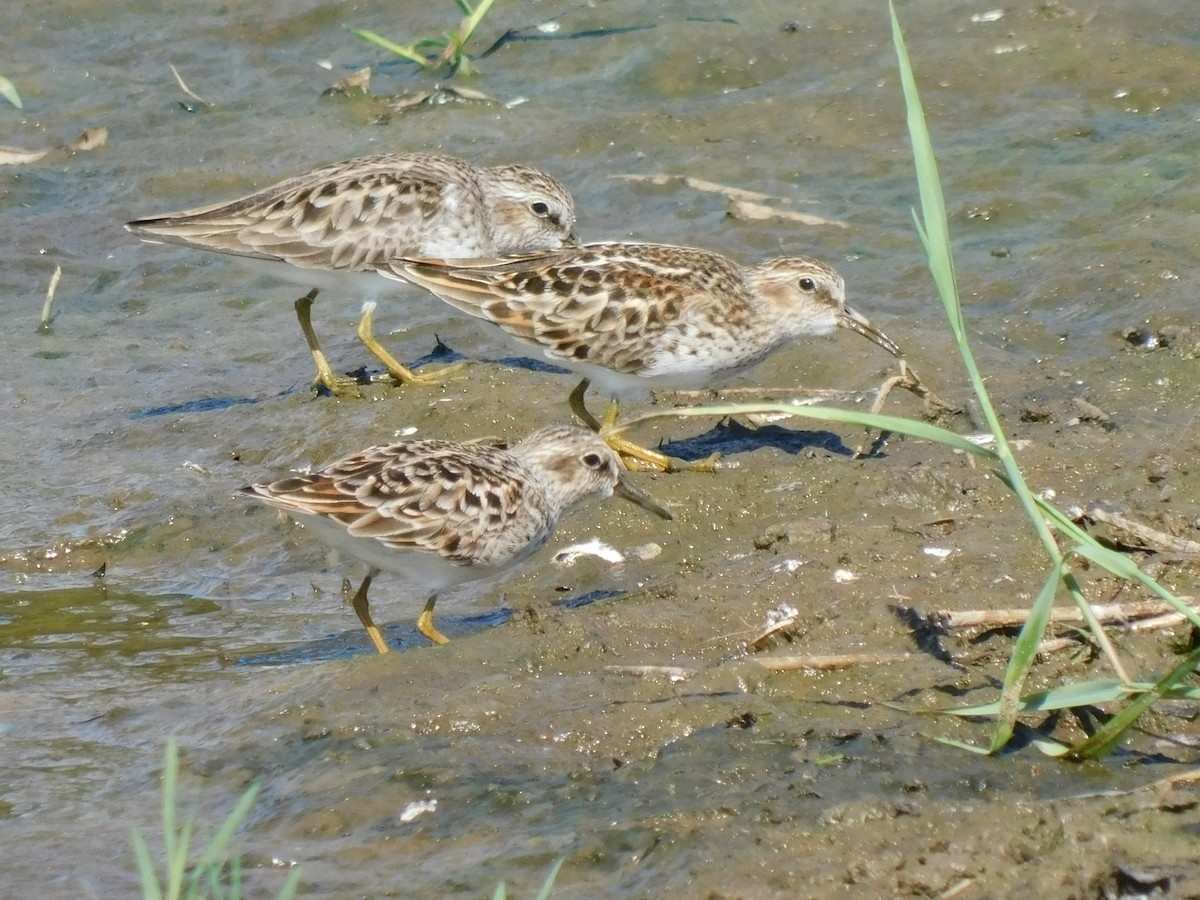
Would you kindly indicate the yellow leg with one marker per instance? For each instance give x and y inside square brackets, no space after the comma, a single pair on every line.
[634,456]
[575,401]
[363,611]
[425,623]
[399,373]
[338,385]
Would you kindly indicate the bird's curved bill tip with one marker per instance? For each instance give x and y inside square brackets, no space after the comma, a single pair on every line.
[640,497]
[859,324]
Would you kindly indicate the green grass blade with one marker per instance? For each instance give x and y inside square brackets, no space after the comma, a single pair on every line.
[1022,657]
[391,46]
[501,893]
[218,848]
[1126,568]
[177,866]
[1047,746]
[911,427]
[544,893]
[1068,696]
[290,885]
[932,227]
[170,776]
[8,91]
[235,879]
[151,890]
[175,837]
[1087,693]
[1116,563]
[472,21]
[1112,732]
[935,231]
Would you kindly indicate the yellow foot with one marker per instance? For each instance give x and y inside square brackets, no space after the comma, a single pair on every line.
[642,459]
[400,374]
[634,456]
[338,385]
[425,623]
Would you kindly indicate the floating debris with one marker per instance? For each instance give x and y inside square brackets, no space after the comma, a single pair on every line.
[355,83]
[437,96]
[187,90]
[745,211]
[47,307]
[91,139]
[781,623]
[418,808]
[15,156]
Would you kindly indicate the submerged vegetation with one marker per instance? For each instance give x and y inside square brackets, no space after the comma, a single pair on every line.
[217,871]
[447,50]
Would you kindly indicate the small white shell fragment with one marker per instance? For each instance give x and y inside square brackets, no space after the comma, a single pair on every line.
[595,547]
[939,552]
[647,551]
[781,614]
[550,27]
[418,808]
[992,15]
[787,565]
[1047,493]
[844,576]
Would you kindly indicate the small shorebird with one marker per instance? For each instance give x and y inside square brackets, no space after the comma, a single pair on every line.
[441,513]
[353,216]
[632,316]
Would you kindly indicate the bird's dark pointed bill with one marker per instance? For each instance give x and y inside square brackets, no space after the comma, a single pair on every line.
[859,324]
[640,497]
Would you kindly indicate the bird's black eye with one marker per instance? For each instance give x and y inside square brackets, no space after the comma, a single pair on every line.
[593,460]
[807,285]
[539,208]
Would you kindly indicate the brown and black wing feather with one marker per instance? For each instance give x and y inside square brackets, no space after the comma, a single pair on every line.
[586,303]
[353,215]
[453,500]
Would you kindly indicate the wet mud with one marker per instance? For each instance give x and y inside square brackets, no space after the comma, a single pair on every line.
[614,715]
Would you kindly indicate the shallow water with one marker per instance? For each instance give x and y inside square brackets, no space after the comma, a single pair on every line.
[169,378]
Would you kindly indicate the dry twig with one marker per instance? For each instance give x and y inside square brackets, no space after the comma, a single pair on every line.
[829,661]
[1108,614]
[1151,538]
